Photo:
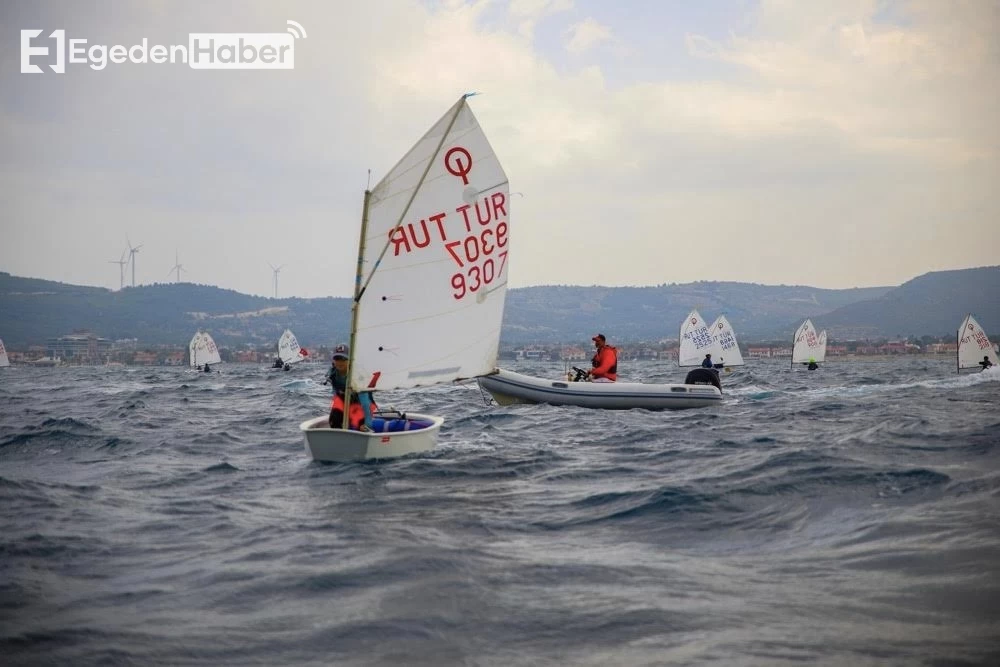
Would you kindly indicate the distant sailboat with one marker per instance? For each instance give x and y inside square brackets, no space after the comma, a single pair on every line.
[808,347]
[4,361]
[289,351]
[725,349]
[695,340]
[203,351]
[974,347]
[698,339]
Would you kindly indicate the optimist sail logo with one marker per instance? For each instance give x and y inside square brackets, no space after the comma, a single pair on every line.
[204,50]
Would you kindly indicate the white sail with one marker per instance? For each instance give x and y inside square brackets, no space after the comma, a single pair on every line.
[973,345]
[193,350]
[203,350]
[806,344]
[821,349]
[208,353]
[725,349]
[4,361]
[289,349]
[696,341]
[435,262]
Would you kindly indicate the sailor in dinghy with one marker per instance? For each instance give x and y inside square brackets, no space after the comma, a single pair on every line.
[361,410]
[973,341]
[430,286]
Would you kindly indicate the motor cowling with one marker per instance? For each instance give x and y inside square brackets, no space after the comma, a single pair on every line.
[704,376]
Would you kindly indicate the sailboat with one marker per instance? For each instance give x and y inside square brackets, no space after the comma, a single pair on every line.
[724,346]
[430,285]
[974,346]
[696,340]
[202,350]
[289,351]
[4,361]
[807,345]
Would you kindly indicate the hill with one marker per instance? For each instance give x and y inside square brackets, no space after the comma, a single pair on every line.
[32,310]
[932,304]
[651,313]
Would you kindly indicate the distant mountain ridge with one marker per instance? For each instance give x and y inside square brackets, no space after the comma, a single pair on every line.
[933,304]
[32,310]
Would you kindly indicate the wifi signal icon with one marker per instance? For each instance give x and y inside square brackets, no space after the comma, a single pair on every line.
[296,30]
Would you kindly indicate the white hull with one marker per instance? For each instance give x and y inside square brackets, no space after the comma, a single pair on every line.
[508,388]
[338,446]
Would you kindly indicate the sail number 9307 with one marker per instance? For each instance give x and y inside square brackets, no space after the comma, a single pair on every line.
[481,258]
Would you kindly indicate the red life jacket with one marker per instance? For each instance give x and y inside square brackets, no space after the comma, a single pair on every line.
[599,359]
[356,414]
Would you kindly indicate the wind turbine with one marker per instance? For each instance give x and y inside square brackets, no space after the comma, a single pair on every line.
[122,263]
[276,270]
[178,267]
[131,256]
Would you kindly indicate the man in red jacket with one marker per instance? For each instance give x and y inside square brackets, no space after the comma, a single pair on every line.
[605,361]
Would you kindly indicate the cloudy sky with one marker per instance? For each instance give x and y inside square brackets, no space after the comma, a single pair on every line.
[833,143]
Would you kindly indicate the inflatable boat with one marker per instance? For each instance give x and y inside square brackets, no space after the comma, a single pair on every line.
[701,388]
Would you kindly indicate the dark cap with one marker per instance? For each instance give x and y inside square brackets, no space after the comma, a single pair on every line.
[599,337]
[340,352]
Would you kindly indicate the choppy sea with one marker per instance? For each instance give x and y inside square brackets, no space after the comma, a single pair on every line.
[847,516]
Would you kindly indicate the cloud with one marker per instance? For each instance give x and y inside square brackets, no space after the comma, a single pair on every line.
[527,13]
[585,35]
[926,90]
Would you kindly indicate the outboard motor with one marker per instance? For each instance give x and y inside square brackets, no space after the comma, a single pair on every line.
[704,376]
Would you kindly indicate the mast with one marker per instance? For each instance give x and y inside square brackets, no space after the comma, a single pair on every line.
[958,344]
[680,341]
[354,307]
[791,361]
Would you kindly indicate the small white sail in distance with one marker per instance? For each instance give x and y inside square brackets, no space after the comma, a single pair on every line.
[203,350]
[806,344]
[974,344]
[695,340]
[211,352]
[4,361]
[725,349]
[821,349]
[193,350]
[435,261]
[289,350]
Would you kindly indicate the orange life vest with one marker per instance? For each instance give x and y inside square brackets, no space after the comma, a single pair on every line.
[356,414]
[612,371]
